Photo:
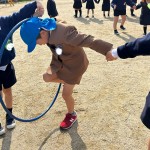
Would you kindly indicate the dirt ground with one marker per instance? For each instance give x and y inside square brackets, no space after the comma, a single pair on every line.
[109,99]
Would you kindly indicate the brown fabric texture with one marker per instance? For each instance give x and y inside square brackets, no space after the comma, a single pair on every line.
[73,62]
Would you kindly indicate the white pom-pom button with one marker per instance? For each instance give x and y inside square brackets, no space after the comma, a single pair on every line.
[58,50]
[9,46]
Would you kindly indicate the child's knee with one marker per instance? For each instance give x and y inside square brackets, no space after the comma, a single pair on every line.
[66,95]
[7,91]
[46,77]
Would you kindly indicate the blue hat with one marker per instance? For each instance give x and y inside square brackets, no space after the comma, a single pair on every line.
[30,30]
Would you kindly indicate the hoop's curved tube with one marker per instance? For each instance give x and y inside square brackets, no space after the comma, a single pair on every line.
[1,101]
[32,119]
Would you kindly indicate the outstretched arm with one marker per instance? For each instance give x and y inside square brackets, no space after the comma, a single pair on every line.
[75,38]
[140,46]
[138,6]
[114,4]
[30,9]
[131,4]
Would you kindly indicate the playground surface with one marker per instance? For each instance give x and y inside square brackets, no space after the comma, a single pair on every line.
[108,101]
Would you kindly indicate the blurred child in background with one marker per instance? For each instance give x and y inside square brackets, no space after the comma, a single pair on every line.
[119,7]
[145,14]
[77,7]
[90,5]
[51,8]
[131,9]
[105,7]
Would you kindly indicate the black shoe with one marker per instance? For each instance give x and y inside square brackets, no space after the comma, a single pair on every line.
[122,27]
[87,17]
[2,130]
[75,16]
[10,122]
[116,32]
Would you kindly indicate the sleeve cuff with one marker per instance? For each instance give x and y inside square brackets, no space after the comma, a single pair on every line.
[114,53]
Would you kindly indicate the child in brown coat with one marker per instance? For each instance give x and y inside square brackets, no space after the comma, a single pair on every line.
[69,65]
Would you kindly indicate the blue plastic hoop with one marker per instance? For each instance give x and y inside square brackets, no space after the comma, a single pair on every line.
[1,100]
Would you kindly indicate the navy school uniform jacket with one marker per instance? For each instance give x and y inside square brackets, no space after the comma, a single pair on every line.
[7,23]
[121,4]
[140,46]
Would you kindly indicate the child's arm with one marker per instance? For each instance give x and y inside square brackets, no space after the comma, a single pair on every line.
[75,38]
[130,3]
[138,6]
[114,4]
[140,46]
[39,10]
[25,12]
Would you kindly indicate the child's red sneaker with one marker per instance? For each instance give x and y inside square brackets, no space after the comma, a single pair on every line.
[68,121]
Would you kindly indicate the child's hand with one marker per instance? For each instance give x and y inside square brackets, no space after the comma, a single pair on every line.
[109,56]
[134,7]
[40,10]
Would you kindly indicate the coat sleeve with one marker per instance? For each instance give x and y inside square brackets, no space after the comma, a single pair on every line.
[113,3]
[75,38]
[138,6]
[130,3]
[140,46]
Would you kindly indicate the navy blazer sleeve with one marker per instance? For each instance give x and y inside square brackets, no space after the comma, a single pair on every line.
[140,46]
[130,3]
[8,22]
[138,6]
[113,3]
[26,12]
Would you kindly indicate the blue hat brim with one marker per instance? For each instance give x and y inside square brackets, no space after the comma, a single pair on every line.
[31,47]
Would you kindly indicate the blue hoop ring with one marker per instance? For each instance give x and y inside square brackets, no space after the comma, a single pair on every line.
[1,100]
